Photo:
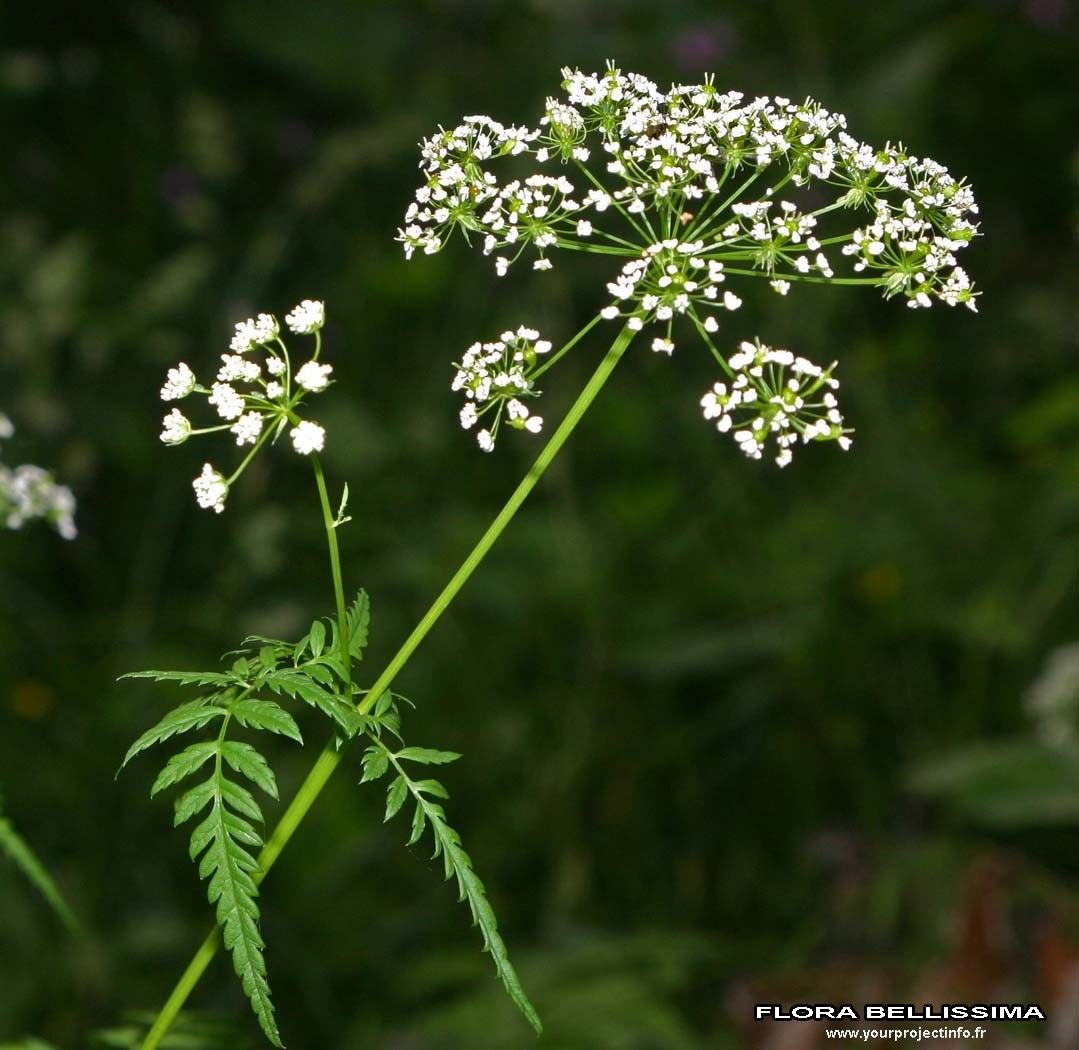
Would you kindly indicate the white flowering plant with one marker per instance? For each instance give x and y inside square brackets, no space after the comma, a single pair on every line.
[695,190]
[255,393]
[686,188]
[31,493]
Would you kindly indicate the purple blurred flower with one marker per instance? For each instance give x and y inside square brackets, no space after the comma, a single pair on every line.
[1046,14]
[178,185]
[703,45]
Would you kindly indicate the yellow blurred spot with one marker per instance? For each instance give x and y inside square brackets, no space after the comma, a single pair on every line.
[881,583]
[31,700]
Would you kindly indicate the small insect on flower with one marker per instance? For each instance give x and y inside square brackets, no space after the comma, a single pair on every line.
[257,397]
[772,407]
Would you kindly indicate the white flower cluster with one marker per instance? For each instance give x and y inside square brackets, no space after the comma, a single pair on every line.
[691,190]
[670,278]
[497,378]
[28,493]
[255,399]
[696,166]
[1052,700]
[762,403]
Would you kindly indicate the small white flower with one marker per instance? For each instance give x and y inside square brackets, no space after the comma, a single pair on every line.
[255,331]
[468,416]
[247,428]
[229,404]
[534,424]
[274,390]
[275,366]
[314,376]
[307,437]
[609,313]
[175,428]
[781,286]
[179,382]
[584,228]
[711,324]
[234,367]
[307,318]
[485,441]
[731,301]
[211,489]
[7,428]
[663,346]
[542,264]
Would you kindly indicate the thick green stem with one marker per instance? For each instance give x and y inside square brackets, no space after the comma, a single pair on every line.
[330,758]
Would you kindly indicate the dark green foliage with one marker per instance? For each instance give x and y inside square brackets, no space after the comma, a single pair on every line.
[191,1031]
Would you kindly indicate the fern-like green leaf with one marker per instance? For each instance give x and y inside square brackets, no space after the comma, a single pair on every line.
[186,677]
[227,861]
[183,764]
[249,763]
[265,714]
[359,620]
[395,797]
[192,715]
[226,836]
[223,843]
[457,864]
[15,847]
[295,683]
[375,763]
[316,638]
[427,756]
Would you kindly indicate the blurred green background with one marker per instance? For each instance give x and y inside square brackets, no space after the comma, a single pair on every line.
[731,734]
